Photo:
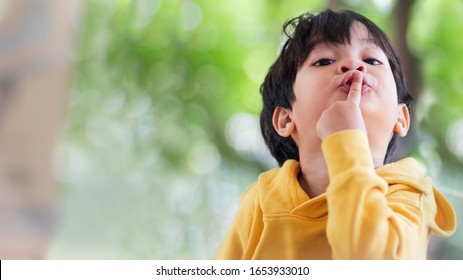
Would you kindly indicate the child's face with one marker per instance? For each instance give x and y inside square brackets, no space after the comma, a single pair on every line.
[325,78]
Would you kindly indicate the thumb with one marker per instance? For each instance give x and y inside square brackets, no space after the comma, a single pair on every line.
[355,92]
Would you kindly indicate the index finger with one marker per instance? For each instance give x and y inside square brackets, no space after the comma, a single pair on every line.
[355,92]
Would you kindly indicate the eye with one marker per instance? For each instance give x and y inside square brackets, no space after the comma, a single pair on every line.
[323,62]
[373,61]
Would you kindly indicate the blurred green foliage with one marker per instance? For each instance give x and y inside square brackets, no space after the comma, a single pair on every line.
[162,131]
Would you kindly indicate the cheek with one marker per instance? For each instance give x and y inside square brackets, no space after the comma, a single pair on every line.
[303,113]
[381,114]
[306,112]
[308,102]
[381,105]
[390,88]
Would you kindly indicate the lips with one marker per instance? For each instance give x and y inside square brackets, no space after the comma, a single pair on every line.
[347,82]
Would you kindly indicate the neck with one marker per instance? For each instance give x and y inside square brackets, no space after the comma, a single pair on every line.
[378,161]
[314,176]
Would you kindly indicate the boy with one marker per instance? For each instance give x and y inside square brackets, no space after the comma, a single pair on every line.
[335,101]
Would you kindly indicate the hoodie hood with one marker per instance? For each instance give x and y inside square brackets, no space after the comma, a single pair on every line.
[408,172]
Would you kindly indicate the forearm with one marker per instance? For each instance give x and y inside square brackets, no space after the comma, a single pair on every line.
[362,223]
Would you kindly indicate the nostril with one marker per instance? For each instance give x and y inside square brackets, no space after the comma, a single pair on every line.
[344,69]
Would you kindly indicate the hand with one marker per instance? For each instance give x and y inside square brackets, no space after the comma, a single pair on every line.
[343,115]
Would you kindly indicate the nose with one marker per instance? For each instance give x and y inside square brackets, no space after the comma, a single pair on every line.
[352,64]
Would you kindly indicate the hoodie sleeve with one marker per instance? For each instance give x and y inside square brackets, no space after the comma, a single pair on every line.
[369,218]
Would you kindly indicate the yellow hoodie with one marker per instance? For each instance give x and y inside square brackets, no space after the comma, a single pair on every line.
[387,213]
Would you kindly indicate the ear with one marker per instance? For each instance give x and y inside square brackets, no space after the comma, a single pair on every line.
[403,120]
[283,121]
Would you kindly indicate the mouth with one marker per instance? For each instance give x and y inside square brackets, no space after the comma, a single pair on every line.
[346,83]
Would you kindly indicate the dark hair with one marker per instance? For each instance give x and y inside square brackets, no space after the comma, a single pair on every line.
[303,33]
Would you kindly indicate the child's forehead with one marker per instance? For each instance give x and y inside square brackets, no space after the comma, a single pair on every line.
[366,43]
[358,34]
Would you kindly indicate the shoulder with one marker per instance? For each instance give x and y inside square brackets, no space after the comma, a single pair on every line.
[410,185]
[406,172]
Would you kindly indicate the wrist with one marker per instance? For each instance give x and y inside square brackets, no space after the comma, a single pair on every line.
[347,149]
